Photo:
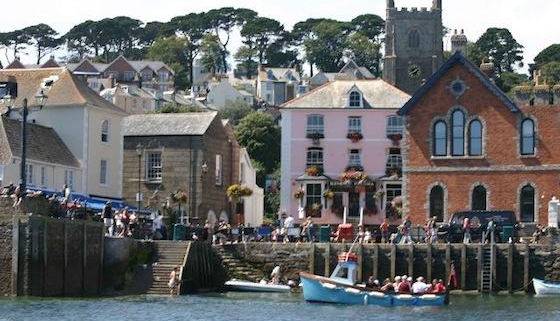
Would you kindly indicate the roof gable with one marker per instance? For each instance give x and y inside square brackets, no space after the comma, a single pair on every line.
[51,63]
[16,64]
[86,66]
[457,58]
[120,64]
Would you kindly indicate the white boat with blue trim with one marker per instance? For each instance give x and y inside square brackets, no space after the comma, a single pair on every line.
[341,287]
[543,287]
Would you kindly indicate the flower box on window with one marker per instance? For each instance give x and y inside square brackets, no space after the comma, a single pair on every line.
[353,176]
[355,137]
[315,136]
[313,170]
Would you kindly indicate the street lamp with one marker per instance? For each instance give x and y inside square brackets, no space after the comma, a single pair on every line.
[139,151]
[41,100]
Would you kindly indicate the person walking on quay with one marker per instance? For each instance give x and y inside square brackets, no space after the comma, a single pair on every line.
[174,281]
[107,217]
[431,230]
[466,231]
[406,226]
[307,226]
[288,223]
[384,228]
[489,233]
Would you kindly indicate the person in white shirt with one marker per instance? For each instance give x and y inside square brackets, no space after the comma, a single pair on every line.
[419,286]
[289,221]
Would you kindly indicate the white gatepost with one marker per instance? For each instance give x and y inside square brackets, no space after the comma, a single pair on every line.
[553,212]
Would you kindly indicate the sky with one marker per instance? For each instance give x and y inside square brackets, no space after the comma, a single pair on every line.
[532,22]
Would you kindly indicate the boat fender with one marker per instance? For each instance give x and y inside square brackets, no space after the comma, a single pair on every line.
[352,291]
[377,294]
[329,286]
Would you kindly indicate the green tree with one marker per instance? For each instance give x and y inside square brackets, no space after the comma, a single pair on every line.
[211,52]
[43,38]
[508,80]
[171,108]
[153,30]
[551,73]
[223,21]
[82,39]
[304,31]
[282,52]
[190,27]
[235,111]
[501,48]
[17,40]
[326,50]
[260,33]
[245,56]
[369,25]
[272,198]
[172,51]
[364,52]
[261,136]
[551,53]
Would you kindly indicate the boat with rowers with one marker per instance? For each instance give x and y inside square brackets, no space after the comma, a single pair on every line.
[341,287]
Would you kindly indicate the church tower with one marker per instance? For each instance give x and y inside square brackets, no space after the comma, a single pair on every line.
[413,45]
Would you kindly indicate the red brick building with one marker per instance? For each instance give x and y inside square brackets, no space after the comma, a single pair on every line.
[467,146]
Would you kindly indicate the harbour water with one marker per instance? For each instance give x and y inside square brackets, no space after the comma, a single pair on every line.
[272,307]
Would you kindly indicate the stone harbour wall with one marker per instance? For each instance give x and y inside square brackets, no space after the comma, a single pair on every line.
[515,264]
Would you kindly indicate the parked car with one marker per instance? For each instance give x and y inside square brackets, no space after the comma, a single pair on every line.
[506,225]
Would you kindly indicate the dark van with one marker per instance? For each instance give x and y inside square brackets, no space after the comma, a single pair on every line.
[453,231]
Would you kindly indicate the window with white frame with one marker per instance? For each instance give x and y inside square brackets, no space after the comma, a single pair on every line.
[219,169]
[354,125]
[128,76]
[43,176]
[269,86]
[394,125]
[315,157]
[355,99]
[313,195]
[147,75]
[69,178]
[29,174]
[153,166]
[315,124]
[355,158]
[103,169]
[105,131]
[394,161]
[163,76]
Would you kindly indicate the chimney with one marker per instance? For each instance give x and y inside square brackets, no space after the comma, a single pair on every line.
[390,4]
[459,42]
[487,67]
[436,4]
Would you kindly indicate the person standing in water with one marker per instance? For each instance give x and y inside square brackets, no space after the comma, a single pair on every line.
[174,281]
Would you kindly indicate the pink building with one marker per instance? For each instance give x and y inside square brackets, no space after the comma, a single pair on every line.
[341,154]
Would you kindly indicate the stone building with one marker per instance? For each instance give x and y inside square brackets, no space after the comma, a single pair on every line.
[413,45]
[189,152]
[467,146]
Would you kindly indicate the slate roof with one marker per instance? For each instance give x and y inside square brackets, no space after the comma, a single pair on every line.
[59,84]
[183,124]
[376,93]
[43,144]
[278,74]
[458,58]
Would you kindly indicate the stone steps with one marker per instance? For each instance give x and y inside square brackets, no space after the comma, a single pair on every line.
[169,254]
[235,266]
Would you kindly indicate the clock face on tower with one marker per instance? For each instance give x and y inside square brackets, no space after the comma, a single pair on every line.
[414,70]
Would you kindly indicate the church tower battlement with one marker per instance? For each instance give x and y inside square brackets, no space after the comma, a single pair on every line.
[413,44]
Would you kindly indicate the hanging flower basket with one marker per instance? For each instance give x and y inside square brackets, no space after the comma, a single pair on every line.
[179,196]
[313,170]
[355,137]
[315,136]
[379,194]
[299,194]
[395,137]
[237,191]
[352,176]
[328,194]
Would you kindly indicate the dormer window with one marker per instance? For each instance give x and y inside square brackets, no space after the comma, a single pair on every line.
[8,88]
[355,99]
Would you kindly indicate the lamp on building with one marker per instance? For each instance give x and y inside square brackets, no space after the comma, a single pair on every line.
[139,152]
[9,101]
[204,167]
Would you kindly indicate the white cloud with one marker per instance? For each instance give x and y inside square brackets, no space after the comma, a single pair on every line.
[532,23]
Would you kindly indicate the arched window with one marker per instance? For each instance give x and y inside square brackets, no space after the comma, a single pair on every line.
[475,138]
[355,99]
[479,198]
[527,199]
[440,138]
[315,157]
[436,203]
[458,133]
[413,39]
[527,137]
[105,131]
